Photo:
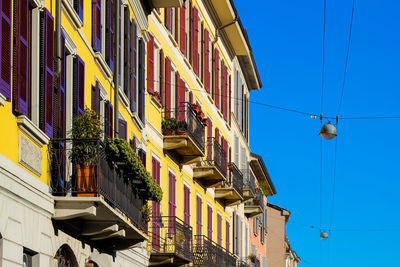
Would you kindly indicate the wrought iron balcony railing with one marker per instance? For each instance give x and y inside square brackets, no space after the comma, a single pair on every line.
[210,254]
[189,123]
[97,178]
[216,156]
[248,184]
[242,263]
[256,262]
[236,178]
[259,199]
[170,237]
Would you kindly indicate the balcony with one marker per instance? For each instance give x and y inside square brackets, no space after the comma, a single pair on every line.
[231,193]
[242,263]
[170,242]
[95,204]
[255,206]
[208,253]
[249,190]
[255,262]
[213,169]
[183,134]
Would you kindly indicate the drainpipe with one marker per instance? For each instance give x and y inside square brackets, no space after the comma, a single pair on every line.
[116,65]
[58,58]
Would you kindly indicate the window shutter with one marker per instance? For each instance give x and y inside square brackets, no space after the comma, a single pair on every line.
[229,100]
[225,92]
[161,78]
[168,19]
[191,32]
[150,65]
[186,212]
[183,28]
[5,48]
[127,51]
[122,129]
[190,97]
[177,96]
[109,119]
[198,215]
[96,16]
[132,143]
[78,6]
[227,233]
[195,41]
[209,222]
[110,33]
[219,230]
[207,60]
[47,73]
[133,72]
[216,77]
[217,136]
[142,69]
[79,86]
[142,156]
[167,87]
[97,98]
[209,140]
[61,132]
[21,67]
[172,203]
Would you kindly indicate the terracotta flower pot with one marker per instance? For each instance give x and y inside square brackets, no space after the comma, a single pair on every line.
[87,180]
[181,132]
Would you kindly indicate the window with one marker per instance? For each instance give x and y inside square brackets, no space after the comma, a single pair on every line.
[209,222]
[199,214]
[5,49]
[97,25]
[219,229]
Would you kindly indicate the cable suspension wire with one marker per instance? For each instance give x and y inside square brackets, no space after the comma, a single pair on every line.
[323,57]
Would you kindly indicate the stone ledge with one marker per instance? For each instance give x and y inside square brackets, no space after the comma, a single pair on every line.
[32,131]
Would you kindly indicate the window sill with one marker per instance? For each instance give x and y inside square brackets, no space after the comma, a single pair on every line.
[199,81]
[172,39]
[32,131]
[137,121]
[187,61]
[2,100]
[72,14]
[103,64]
[210,98]
[124,98]
[156,103]
[158,16]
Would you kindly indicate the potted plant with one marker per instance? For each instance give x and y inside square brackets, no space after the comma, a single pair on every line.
[182,128]
[200,115]
[195,108]
[85,133]
[146,214]
[252,257]
[169,126]
[204,121]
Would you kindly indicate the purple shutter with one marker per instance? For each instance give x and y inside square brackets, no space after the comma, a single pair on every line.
[186,204]
[5,48]
[47,73]
[78,6]
[122,129]
[61,93]
[127,49]
[156,207]
[110,33]
[171,198]
[79,86]
[96,97]
[209,222]
[150,65]
[96,35]
[227,236]
[21,67]
[133,74]
[108,119]
[198,215]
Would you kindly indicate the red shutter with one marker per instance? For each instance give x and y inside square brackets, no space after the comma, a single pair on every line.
[133,72]
[96,16]
[191,32]
[219,229]
[171,198]
[225,92]
[156,207]
[180,98]
[176,33]
[209,222]
[167,87]
[190,97]
[216,77]
[150,65]
[178,114]
[209,140]
[196,41]
[122,129]
[183,29]
[217,135]
[47,77]
[201,53]
[229,99]
[168,19]
[5,48]
[186,204]
[227,235]
[207,60]
[21,84]
[199,218]
[161,80]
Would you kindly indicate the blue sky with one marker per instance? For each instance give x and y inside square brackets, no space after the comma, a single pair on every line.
[286,37]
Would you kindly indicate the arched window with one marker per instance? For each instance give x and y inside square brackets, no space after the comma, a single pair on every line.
[65,257]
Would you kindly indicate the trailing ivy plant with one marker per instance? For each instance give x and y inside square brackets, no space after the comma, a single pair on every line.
[124,157]
[264,187]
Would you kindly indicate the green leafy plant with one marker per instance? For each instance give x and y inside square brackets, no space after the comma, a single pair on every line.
[264,187]
[252,257]
[169,124]
[146,213]
[119,153]
[86,126]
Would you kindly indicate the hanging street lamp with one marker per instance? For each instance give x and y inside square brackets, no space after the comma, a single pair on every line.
[328,131]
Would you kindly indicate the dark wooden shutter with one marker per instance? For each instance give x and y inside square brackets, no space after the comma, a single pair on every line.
[61,132]
[219,229]
[199,214]
[217,136]
[47,73]
[108,125]
[209,140]
[209,222]
[79,86]
[196,41]
[142,69]
[21,66]
[122,129]
[150,65]
[225,92]
[78,6]
[161,78]
[207,60]
[229,99]
[110,33]
[96,24]
[96,97]
[127,50]
[227,236]
[5,48]
[186,205]
[133,69]
[167,87]
[216,77]
[183,29]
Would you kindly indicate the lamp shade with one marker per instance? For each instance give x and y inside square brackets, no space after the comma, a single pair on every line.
[328,131]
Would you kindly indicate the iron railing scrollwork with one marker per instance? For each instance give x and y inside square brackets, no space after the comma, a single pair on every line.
[236,178]
[216,156]
[249,181]
[170,235]
[208,253]
[98,179]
